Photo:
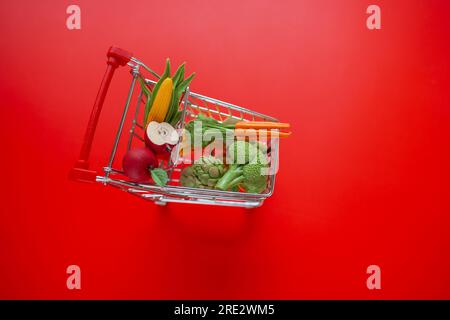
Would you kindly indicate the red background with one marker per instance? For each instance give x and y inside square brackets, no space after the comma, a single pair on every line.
[364,179]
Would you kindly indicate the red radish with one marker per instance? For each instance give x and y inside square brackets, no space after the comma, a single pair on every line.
[161,137]
[137,164]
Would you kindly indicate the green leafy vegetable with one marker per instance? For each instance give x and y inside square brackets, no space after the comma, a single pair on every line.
[180,86]
[176,118]
[179,75]
[159,176]
[206,124]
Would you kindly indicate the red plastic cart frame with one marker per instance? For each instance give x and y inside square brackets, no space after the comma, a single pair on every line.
[81,172]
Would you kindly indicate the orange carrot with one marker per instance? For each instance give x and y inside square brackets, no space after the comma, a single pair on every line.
[261,125]
[268,133]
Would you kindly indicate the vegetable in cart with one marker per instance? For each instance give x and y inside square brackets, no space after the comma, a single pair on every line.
[232,126]
[162,103]
[203,174]
[248,162]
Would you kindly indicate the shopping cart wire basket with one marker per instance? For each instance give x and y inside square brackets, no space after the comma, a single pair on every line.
[131,131]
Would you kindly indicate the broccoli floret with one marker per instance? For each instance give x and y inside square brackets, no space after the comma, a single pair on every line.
[254,180]
[232,177]
[248,173]
[242,152]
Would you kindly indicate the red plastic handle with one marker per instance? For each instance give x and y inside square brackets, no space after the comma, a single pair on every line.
[80,171]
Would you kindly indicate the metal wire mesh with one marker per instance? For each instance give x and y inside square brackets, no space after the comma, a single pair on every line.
[191,105]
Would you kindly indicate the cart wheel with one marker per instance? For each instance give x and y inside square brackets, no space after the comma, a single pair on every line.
[161,203]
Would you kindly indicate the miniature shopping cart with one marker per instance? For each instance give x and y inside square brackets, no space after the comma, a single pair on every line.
[131,132]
